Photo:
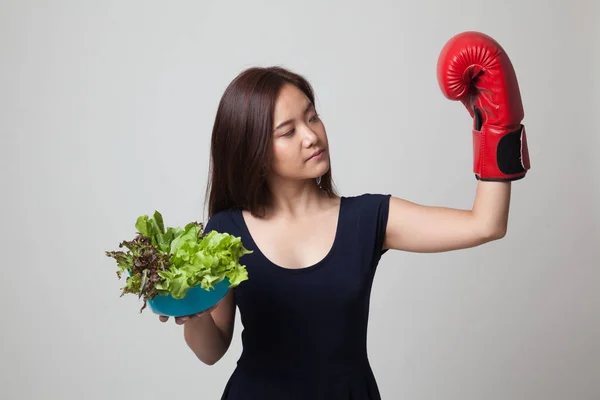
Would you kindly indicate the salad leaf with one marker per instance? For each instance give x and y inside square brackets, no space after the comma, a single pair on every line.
[205,262]
[141,263]
[154,229]
[171,261]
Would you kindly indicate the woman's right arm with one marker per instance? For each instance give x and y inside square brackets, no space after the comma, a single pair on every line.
[209,334]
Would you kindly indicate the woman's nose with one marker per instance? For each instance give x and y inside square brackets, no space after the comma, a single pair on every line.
[310,137]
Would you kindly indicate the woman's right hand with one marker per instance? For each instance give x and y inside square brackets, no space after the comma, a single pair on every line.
[183,320]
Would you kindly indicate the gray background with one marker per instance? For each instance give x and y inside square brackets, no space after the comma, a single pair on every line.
[106,111]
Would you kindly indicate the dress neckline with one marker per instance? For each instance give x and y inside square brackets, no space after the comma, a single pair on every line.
[308,268]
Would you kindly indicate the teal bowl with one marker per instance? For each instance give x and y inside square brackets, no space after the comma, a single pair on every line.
[195,301]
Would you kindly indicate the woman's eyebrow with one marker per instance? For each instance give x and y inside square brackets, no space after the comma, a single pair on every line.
[308,108]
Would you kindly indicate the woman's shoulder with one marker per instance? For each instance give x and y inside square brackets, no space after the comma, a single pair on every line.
[229,220]
[368,200]
[369,209]
[224,221]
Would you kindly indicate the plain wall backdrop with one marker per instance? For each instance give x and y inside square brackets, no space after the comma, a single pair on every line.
[106,110]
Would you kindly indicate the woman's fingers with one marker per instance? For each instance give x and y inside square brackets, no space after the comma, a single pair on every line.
[183,320]
[207,311]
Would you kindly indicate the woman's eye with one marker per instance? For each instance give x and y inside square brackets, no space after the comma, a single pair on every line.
[289,133]
[314,117]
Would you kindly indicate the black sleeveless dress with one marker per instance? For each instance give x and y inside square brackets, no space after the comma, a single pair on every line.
[305,330]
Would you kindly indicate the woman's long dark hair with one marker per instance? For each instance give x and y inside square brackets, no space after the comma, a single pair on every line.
[241,151]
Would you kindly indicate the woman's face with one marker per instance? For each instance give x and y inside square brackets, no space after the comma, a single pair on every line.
[298,133]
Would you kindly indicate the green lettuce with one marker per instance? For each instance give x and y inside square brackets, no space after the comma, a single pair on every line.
[204,262]
[172,260]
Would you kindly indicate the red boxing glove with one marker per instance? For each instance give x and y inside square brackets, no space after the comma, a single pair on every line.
[474,69]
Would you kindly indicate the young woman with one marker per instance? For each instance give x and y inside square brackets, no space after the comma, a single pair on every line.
[305,305]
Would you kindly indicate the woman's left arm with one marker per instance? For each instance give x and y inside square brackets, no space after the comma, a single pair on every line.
[429,229]
[474,69]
